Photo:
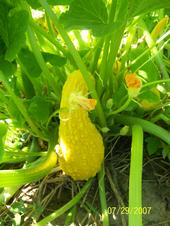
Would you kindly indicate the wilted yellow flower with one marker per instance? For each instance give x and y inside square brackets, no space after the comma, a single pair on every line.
[133,83]
[77,99]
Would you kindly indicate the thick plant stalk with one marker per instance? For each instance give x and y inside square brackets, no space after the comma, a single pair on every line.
[135,183]
[147,126]
[37,170]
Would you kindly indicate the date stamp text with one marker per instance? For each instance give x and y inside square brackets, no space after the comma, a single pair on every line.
[127,210]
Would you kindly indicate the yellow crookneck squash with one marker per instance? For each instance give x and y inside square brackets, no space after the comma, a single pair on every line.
[81,149]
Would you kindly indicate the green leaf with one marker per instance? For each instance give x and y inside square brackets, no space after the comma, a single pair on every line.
[137,7]
[17,26]
[39,109]
[166,152]
[151,95]
[15,114]
[3,129]
[29,62]
[7,68]
[153,145]
[54,59]
[85,14]
[27,86]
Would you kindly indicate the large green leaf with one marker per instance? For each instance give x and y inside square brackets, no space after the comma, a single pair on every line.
[7,68]
[39,109]
[17,26]
[15,114]
[54,59]
[137,7]
[29,62]
[29,91]
[153,145]
[85,14]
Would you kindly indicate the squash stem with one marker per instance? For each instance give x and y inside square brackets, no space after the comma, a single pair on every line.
[155,82]
[147,126]
[135,180]
[123,107]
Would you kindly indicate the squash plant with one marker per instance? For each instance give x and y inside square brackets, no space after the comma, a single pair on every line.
[71,71]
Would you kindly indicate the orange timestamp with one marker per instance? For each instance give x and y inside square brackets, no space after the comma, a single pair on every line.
[129,210]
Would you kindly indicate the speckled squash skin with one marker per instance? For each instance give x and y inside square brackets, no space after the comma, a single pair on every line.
[81,145]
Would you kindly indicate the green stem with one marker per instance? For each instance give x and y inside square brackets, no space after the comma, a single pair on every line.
[37,170]
[48,37]
[40,59]
[102,193]
[130,38]
[21,108]
[77,59]
[154,51]
[98,49]
[114,47]
[112,11]
[146,51]
[70,215]
[36,51]
[122,108]
[117,34]
[103,73]
[135,180]
[147,126]
[107,47]
[66,207]
[50,28]
[77,34]
[155,82]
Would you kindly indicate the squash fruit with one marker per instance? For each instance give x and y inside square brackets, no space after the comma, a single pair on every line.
[81,149]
